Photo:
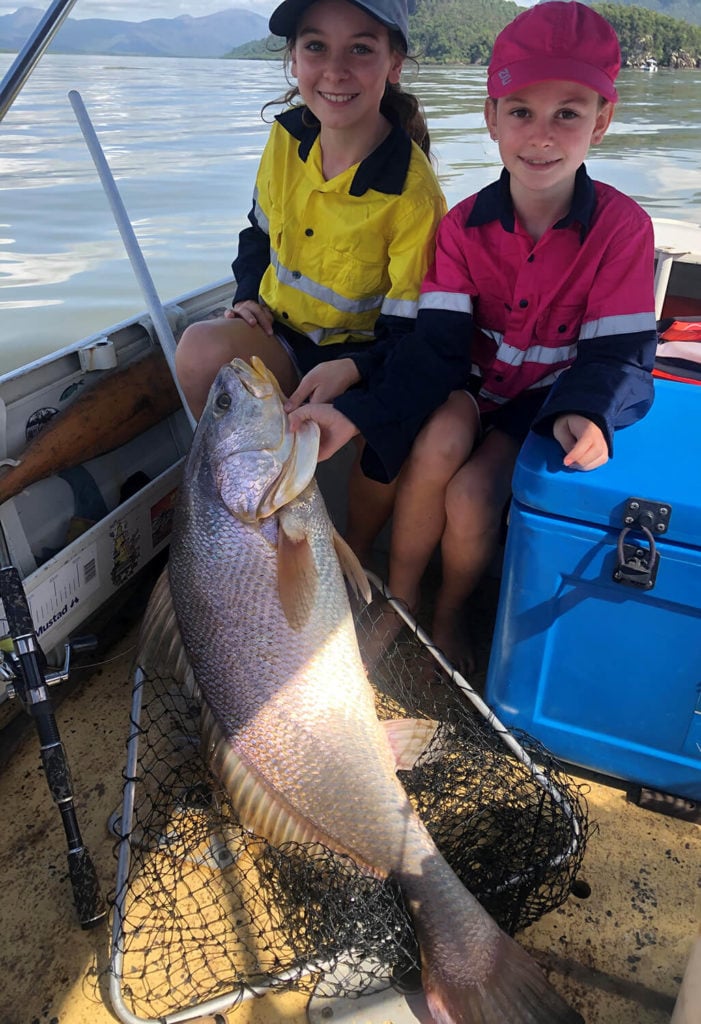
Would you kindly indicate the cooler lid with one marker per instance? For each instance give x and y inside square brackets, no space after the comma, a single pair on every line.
[657,459]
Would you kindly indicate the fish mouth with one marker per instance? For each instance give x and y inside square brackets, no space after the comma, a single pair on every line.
[294,454]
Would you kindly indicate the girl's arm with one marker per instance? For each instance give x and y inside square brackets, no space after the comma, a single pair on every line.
[610,382]
[410,253]
[583,442]
[420,371]
[251,261]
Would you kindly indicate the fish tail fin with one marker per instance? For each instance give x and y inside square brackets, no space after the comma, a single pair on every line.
[515,991]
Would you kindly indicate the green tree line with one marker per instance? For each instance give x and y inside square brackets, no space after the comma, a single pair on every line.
[644,33]
[684,10]
[463,32]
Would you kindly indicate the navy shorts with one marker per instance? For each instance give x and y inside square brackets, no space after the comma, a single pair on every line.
[305,355]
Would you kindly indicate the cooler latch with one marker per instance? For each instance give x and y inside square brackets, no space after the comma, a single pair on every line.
[637,563]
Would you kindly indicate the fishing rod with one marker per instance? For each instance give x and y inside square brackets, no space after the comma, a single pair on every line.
[26,678]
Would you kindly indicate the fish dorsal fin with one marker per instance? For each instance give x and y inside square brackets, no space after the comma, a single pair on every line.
[351,567]
[409,739]
[297,575]
[160,647]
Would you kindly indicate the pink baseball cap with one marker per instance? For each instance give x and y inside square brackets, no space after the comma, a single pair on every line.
[558,40]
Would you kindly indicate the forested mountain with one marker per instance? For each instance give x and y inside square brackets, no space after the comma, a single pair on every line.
[684,10]
[212,35]
[463,31]
[442,31]
[643,33]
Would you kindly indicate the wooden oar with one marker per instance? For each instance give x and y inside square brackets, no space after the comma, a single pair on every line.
[115,409]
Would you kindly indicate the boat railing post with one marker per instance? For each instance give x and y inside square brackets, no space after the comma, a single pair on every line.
[31,52]
[131,244]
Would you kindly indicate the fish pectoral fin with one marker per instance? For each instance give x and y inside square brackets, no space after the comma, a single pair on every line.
[351,568]
[409,739]
[297,575]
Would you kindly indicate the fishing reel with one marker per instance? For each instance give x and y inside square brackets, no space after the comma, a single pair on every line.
[10,666]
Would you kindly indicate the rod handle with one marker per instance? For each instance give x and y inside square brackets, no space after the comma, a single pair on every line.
[87,895]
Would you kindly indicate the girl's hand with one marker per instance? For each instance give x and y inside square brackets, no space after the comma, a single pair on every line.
[324,382]
[253,313]
[336,429]
[583,442]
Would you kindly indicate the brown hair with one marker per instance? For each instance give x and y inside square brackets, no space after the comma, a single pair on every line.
[405,105]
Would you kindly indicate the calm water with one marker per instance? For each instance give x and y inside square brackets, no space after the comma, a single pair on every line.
[183,138]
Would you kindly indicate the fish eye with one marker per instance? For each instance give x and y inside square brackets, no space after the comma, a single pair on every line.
[223,400]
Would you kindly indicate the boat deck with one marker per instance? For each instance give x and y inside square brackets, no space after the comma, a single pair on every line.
[617,951]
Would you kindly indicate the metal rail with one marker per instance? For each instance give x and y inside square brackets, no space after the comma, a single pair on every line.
[30,54]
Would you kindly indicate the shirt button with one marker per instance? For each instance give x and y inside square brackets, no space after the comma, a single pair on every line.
[562,328]
[296,274]
[530,258]
[285,316]
[523,303]
[499,377]
[309,232]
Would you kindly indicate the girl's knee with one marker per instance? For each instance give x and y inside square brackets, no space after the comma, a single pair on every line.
[203,348]
[194,343]
[474,501]
[443,445]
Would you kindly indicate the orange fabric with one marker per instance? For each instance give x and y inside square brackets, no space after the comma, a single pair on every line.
[681,331]
[674,376]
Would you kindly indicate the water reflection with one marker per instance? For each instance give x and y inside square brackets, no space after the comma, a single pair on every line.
[183,139]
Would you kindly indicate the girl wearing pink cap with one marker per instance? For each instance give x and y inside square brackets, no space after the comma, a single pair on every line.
[538,313]
[345,210]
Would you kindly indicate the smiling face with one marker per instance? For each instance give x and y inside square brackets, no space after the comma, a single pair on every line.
[544,133]
[342,59]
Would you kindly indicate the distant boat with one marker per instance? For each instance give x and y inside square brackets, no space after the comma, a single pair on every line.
[649,64]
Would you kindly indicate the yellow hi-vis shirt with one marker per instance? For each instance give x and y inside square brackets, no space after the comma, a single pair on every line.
[344,251]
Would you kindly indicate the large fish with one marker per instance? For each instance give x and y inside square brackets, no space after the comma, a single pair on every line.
[255,581]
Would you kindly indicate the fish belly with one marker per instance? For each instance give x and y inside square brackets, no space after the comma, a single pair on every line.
[291,727]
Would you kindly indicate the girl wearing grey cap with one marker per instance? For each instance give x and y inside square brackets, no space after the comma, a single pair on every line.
[345,208]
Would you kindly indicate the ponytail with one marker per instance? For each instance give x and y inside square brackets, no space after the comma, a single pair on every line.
[409,114]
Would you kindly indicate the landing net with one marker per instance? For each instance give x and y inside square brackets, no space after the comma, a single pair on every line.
[206,914]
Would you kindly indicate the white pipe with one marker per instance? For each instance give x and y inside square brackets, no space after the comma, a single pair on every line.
[136,258]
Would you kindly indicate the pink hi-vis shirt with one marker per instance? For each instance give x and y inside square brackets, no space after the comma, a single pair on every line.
[588,278]
[534,330]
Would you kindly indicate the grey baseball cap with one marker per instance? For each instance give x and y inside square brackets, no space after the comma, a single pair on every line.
[392,13]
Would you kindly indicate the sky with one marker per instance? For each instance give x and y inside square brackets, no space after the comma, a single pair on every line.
[141,10]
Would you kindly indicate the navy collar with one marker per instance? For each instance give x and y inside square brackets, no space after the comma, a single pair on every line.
[494,203]
[386,168]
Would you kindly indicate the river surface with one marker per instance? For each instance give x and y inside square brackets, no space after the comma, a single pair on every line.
[183,138]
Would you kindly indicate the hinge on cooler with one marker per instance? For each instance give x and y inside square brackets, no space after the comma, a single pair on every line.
[637,565]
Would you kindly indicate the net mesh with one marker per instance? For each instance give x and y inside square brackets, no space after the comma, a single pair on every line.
[205,909]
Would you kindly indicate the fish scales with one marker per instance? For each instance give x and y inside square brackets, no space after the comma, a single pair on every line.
[295,704]
[289,721]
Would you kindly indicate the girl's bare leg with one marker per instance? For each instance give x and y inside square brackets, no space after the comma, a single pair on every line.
[419,515]
[474,502]
[205,346]
[369,508]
